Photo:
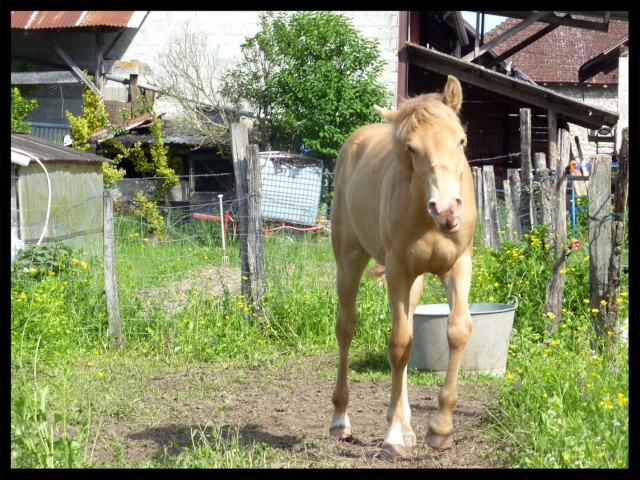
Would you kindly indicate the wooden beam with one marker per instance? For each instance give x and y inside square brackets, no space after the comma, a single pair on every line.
[492,81]
[99,76]
[504,35]
[37,78]
[76,70]
[555,19]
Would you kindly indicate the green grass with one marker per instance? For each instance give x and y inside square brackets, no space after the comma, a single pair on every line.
[560,404]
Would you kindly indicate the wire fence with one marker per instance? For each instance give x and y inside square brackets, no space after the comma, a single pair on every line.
[164,271]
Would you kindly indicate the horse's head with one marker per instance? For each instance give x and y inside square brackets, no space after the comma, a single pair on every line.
[429,141]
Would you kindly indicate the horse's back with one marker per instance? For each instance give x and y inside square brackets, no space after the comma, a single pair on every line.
[364,149]
[361,166]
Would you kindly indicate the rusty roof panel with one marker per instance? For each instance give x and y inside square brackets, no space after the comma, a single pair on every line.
[75,19]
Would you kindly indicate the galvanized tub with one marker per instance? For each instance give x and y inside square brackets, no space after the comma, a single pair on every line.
[486,350]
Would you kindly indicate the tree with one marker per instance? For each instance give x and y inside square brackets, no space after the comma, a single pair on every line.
[190,73]
[312,78]
[20,109]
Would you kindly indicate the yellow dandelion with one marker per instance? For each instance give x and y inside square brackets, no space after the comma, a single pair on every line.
[100,375]
[550,314]
[603,302]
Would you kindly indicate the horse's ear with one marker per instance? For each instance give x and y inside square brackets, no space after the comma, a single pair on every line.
[388,115]
[452,96]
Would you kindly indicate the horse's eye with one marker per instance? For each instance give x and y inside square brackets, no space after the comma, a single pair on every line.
[410,148]
[463,141]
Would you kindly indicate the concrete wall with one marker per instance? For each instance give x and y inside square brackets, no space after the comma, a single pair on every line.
[227,30]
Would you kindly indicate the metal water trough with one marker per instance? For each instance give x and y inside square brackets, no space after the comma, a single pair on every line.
[486,350]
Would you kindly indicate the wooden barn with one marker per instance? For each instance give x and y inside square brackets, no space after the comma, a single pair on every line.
[434,44]
[56,195]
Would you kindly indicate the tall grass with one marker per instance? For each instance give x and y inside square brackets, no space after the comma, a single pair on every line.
[560,404]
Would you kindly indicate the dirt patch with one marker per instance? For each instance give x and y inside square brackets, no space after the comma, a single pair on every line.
[289,407]
[210,281]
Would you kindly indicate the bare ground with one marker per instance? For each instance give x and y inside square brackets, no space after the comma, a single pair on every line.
[289,408]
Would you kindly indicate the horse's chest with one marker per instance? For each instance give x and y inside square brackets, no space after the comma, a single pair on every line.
[431,256]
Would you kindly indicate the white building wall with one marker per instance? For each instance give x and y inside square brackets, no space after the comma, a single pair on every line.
[600,96]
[227,30]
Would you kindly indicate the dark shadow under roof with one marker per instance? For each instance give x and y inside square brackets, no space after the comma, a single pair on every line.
[571,110]
[46,150]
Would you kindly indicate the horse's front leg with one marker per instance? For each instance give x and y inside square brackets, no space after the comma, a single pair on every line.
[404,294]
[457,283]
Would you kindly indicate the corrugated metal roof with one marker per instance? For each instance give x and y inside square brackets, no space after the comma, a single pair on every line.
[39,19]
[45,150]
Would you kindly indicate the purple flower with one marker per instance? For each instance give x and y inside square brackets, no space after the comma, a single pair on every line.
[584,396]
[517,384]
[211,339]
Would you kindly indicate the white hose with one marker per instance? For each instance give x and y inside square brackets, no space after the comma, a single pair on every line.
[46,220]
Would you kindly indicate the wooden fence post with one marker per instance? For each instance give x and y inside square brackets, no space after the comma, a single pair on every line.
[513,175]
[246,166]
[619,213]
[490,207]
[255,238]
[543,196]
[109,263]
[555,289]
[239,143]
[524,209]
[599,243]
[479,189]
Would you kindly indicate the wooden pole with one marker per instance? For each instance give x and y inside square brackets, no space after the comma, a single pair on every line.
[543,195]
[524,209]
[255,238]
[552,128]
[513,175]
[619,213]
[555,289]
[239,143]
[110,284]
[490,207]
[599,244]
[479,189]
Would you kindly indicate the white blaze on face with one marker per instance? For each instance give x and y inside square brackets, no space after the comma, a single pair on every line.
[444,202]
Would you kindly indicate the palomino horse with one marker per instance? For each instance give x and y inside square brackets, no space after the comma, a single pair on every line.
[404,195]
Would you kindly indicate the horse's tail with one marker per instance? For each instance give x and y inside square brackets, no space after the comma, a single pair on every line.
[376,271]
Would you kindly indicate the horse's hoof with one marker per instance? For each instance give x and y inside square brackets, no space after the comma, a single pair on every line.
[392,452]
[410,440]
[341,433]
[439,442]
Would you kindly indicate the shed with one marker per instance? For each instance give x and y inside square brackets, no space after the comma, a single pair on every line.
[56,195]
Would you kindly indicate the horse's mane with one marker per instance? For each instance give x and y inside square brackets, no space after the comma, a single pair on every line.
[418,110]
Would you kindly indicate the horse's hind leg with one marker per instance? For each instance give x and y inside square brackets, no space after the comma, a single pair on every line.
[349,272]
